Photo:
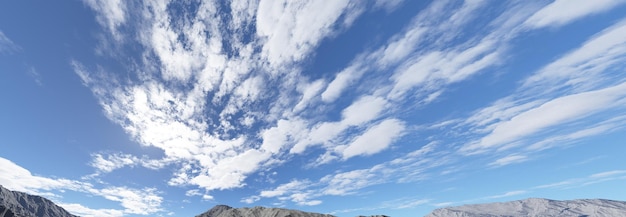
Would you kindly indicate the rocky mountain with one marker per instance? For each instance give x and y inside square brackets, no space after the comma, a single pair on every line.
[227,211]
[537,207]
[18,204]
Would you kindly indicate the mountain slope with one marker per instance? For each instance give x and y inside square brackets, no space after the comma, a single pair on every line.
[18,204]
[227,211]
[537,207]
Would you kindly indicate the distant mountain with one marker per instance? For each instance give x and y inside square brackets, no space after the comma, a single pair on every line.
[18,204]
[227,211]
[536,207]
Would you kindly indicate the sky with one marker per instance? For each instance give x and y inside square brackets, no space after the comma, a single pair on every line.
[168,108]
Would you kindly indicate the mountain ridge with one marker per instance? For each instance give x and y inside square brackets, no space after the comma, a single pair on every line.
[537,207]
[20,204]
[257,211]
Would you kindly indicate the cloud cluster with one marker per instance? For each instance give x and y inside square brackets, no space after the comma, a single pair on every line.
[197,97]
[226,96]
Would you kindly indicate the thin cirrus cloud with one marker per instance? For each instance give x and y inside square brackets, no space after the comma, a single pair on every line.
[6,45]
[588,95]
[561,12]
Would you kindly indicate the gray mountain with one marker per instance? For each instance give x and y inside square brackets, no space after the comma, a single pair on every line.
[227,211]
[18,204]
[537,207]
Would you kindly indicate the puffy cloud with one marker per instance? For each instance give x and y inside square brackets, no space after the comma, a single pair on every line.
[375,139]
[293,28]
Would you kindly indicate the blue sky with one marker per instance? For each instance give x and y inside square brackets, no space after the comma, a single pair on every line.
[167,108]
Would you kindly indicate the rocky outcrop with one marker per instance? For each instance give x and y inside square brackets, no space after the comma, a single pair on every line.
[18,204]
[227,211]
[537,207]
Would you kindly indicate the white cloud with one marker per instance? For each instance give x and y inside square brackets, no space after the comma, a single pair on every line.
[6,45]
[344,78]
[295,185]
[276,137]
[363,110]
[585,67]
[607,174]
[511,159]
[508,194]
[561,12]
[360,112]
[410,167]
[81,210]
[143,202]
[251,199]
[604,127]
[445,66]
[388,5]
[411,203]
[292,28]
[557,111]
[595,178]
[33,73]
[17,178]
[192,96]
[107,163]
[111,14]
[308,93]
[375,139]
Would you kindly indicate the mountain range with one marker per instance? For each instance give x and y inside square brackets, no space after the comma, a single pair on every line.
[537,207]
[18,204]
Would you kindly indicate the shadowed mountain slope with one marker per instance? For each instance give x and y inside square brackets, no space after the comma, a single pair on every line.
[18,204]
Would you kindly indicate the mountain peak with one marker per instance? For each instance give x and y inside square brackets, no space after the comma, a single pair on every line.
[258,211]
[14,203]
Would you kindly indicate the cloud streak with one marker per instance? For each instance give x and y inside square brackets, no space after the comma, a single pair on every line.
[562,12]
[6,45]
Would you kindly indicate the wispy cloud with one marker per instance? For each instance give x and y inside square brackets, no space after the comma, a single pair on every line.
[411,167]
[557,111]
[111,14]
[561,12]
[591,179]
[507,194]
[6,45]
[81,210]
[107,163]
[566,92]
[511,159]
[35,75]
